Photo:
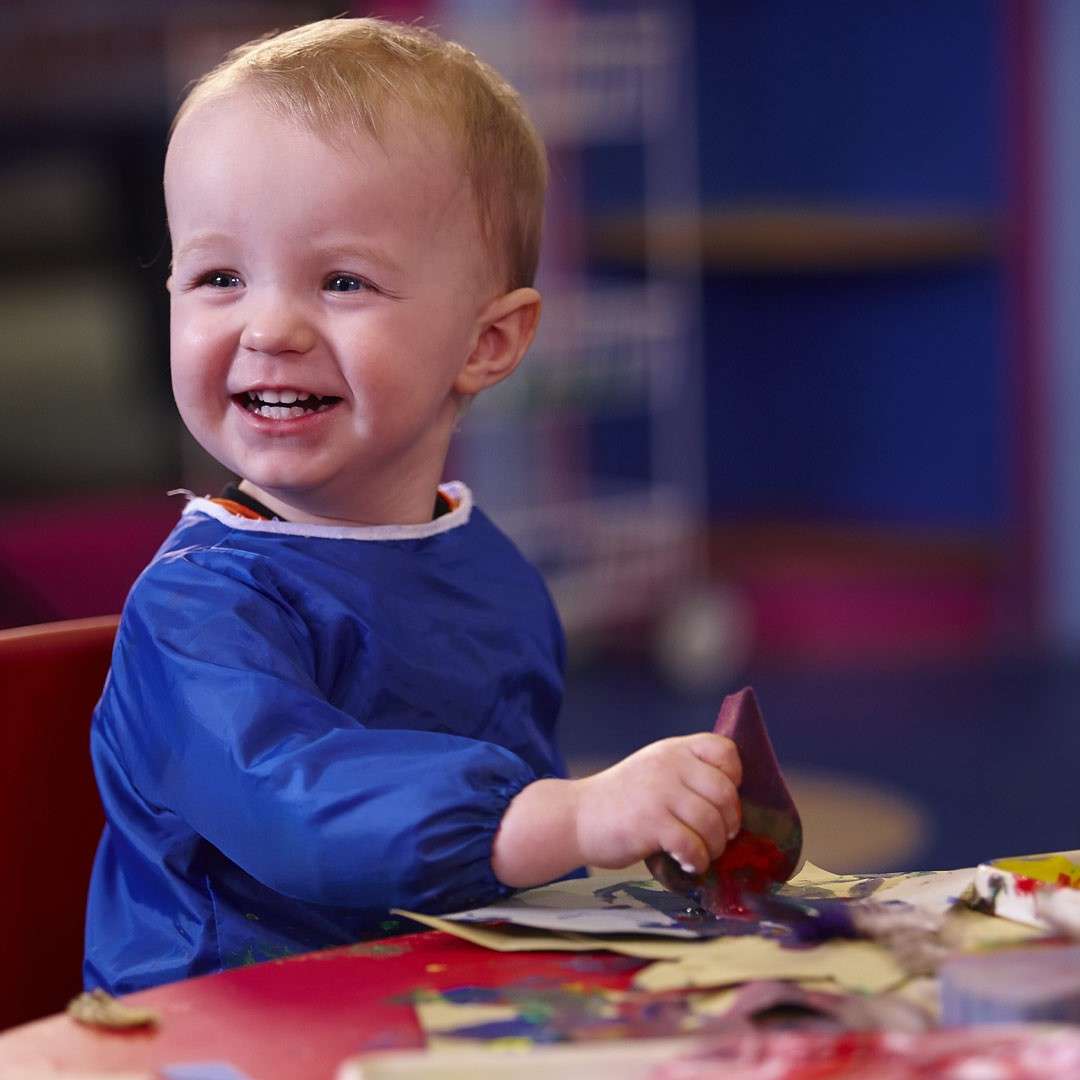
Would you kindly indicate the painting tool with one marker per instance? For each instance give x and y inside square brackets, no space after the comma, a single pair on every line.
[766,850]
[1038,984]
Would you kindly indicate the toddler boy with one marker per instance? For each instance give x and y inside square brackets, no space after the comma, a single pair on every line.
[334,691]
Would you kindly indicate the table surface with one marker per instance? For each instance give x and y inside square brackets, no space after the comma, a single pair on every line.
[299,1017]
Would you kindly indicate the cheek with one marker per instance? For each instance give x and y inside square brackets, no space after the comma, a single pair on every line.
[199,355]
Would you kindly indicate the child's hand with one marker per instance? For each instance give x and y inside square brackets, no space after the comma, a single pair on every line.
[678,795]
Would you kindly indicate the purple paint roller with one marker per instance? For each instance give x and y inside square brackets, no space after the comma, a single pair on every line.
[1040,984]
[767,848]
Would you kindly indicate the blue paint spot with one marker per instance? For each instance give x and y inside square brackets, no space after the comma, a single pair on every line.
[518,1027]
[473,995]
[203,1070]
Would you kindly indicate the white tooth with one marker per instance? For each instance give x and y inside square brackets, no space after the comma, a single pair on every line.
[271,396]
[287,397]
[262,410]
[295,411]
[303,396]
[251,396]
[280,412]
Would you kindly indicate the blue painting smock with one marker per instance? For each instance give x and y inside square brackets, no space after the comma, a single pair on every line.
[305,726]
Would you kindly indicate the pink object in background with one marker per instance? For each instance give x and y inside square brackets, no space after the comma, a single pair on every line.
[1019,1053]
[837,616]
[79,557]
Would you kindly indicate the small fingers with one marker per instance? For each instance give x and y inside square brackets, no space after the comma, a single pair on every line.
[716,788]
[684,846]
[704,819]
[720,752]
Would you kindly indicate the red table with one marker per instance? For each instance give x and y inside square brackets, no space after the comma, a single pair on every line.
[298,1018]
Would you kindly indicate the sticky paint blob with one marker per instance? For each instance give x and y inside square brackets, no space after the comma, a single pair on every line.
[750,865]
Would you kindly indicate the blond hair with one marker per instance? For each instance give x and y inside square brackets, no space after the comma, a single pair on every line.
[338,77]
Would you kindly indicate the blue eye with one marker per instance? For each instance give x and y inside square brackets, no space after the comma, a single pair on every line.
[345,283]
[220,279]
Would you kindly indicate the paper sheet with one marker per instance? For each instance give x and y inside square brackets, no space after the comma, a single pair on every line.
[506,937]
[853,965]
[681,963]
[520,1017]
[934,892]
[971,930]
[608,903]
[612,903]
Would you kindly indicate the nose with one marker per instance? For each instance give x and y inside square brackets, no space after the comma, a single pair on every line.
[277,326]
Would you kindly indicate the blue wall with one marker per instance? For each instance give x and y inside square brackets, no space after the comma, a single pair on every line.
[844,99]
[873,397]
[866,398]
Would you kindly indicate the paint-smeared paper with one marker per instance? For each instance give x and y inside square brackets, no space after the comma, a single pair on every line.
[932,891]
[970,931]
[608,903]
[611,903]
[853,965]
[526,1014]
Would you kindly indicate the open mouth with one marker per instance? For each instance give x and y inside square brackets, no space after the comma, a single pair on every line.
[284,404]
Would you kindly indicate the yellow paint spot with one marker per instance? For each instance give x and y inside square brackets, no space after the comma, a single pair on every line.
[510,1042]
[1049,869]
[433,968]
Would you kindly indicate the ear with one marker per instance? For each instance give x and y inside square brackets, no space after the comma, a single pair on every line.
[506,329]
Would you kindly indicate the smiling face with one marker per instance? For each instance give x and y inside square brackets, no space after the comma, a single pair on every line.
[325,303]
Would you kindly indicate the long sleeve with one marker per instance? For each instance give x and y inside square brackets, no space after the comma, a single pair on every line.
[217,715]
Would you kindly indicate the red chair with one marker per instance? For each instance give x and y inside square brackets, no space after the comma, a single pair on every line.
[50,679]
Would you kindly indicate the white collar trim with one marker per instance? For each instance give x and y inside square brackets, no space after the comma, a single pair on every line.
[456,491]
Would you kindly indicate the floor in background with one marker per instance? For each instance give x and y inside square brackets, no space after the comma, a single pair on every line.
[923,768]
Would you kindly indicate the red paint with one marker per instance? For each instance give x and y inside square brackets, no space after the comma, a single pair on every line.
[297,1018]
[1026,886]
[749,864]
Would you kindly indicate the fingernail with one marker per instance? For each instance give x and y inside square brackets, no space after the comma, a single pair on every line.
[686,869]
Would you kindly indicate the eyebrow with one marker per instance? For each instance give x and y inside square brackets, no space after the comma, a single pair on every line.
[357,249]
[335,249]
[203,240]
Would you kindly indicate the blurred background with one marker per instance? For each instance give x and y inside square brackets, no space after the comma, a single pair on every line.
[804,408]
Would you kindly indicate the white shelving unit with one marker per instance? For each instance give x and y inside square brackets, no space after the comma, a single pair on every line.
[613,551]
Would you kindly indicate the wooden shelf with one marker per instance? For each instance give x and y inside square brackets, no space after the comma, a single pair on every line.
[762,240]
[860,549]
